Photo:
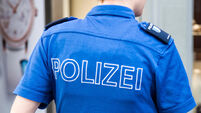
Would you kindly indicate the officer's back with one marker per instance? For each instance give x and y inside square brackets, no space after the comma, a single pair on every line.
[108,58]
[110,63]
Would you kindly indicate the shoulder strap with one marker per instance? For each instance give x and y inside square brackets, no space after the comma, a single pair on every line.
[66,19]
[155,31]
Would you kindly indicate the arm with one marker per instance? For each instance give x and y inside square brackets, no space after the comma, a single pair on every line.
[173,92]
[23,105]
[36,83]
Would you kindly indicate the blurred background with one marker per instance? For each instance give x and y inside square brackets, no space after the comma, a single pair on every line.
[22,23]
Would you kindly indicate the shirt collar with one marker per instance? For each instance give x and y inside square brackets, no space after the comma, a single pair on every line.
[115,10]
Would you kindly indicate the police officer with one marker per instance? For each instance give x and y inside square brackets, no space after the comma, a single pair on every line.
[105,63]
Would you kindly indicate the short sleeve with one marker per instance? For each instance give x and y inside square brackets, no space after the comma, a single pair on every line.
[173,92]
[36,82]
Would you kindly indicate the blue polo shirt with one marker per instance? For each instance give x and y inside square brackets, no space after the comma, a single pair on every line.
[106,63]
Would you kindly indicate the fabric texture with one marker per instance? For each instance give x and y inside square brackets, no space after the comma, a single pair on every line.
[105,63]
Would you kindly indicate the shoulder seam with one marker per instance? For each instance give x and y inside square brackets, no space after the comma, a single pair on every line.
[163,52]
[162,55]
[97,35]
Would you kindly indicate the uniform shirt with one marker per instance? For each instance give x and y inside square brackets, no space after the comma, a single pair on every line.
[105,63]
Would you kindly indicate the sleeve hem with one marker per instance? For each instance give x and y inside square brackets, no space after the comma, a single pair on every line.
[32,95]
[182,108]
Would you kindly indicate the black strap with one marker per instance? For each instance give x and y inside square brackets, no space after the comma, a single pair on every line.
[156,31]
[59,22]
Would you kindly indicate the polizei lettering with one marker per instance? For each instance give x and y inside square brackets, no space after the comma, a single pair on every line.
[125,74]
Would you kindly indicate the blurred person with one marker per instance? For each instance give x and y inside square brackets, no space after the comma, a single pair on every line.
[107,62]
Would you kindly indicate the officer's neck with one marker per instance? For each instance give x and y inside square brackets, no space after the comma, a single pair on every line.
[118,2]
